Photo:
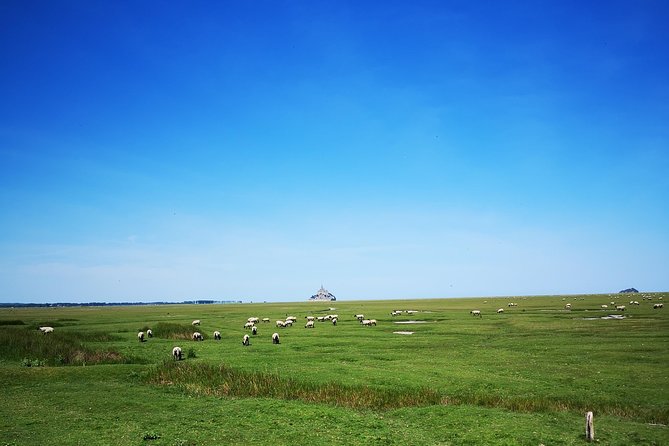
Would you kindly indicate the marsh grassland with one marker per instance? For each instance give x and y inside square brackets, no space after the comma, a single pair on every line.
[522,377]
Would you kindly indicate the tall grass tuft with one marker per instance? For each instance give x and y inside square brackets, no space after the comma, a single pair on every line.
[58,348]
[206,379]
[12,322]
[169,330]
[210,380]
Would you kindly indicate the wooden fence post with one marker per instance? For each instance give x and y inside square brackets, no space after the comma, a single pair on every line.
[589,427]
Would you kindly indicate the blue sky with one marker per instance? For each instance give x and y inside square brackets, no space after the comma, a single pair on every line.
[254,150]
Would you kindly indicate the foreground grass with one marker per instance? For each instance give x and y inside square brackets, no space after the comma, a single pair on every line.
[522,377]
[109,405]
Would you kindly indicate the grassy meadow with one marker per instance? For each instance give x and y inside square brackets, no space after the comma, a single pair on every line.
[526,376]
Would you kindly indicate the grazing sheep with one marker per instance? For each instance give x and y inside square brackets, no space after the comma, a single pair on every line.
[249,325]
[605,306]
[149,333]
[254,320]
[140,336]
[254,330]
[359,316]
[656,306]
[310,318]
[217,335]
[310,324]
[288,323]
[334,321]
[46,330]
[291,318]
[368,322]
[320,318]
[500,310]
[197,336]
[620,307]
[176,353]
[196,322]
[475,313]
[395,313]
[265,319]
[280,324]
[246,340]
[567,307]
[412,311]
[275,338]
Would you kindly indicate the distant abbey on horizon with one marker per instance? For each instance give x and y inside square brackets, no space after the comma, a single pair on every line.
[323,294]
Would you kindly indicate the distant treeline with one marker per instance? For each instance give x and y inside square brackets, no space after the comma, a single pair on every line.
[116,304]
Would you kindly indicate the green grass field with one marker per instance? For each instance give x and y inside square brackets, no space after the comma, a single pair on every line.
[523,377]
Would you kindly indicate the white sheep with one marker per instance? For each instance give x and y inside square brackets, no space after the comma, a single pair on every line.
[149,333]
[567,307]
[217,335]
[359,316]
[176,353]
[334,321]
[500,310]
[46,330]
[275,338]
[620,307]
[197,336]
[395,313]
[368,322]
[288,323]
[310,324]
[249,325]
[475,313]
[280,324]
[254,330]
[140,336]
[656,306]
[310,318]
[196,322]
[246,340]
[265,319]
[254,320]
[291,318]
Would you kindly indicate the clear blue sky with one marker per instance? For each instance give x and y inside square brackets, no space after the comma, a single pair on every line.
[256,149]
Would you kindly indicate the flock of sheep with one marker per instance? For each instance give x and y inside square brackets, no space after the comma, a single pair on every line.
[333,318]
[252,322]
[177,352]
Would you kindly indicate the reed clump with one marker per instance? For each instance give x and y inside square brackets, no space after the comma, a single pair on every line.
[170,330]
[58,348]
[207,379]
[224,381]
